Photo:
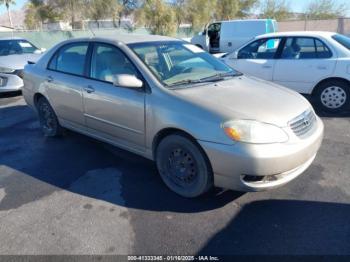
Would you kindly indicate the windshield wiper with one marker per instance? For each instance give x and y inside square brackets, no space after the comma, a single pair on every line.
[213,78]
[185,82]
[217,77]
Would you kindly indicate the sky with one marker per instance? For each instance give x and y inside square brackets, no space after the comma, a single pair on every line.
[296,5]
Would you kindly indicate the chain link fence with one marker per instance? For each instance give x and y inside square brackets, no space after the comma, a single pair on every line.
[47,39]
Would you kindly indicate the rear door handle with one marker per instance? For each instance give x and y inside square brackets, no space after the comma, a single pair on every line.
[322,67]
[266,66]
[49,79]
[89,89]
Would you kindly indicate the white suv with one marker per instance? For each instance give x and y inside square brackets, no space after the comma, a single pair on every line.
[313,63]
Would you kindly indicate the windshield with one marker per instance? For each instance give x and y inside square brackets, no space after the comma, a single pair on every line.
[16,47]
[178,63]
[343,40]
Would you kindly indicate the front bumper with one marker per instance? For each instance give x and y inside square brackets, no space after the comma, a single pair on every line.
[253,167]
[10,83]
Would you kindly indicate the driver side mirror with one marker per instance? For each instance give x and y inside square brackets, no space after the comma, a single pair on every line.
[129,81]
[40,51]
[234,55]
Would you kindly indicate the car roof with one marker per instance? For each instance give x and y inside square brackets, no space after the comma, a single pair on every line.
[298,33]
[11,38]
[128,38]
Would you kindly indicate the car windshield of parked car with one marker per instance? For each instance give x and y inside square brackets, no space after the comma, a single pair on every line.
[343,40]
[16,47]
[178,63]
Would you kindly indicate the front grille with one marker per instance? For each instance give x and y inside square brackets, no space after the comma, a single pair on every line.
[304,123]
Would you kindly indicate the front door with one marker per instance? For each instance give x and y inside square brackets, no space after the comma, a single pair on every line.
[258,58]
[115,112]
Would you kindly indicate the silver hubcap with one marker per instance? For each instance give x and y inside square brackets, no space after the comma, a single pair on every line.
[333,97]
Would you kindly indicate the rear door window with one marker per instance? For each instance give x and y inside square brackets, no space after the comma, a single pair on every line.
[70,59]
[305,48]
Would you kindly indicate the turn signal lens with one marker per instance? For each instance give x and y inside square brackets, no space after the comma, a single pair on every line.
[233,133]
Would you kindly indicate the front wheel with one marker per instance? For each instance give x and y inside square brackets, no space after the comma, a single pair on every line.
[183,166]
[333,96]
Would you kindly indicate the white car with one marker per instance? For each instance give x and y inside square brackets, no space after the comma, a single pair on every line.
[14,55]
[313,63]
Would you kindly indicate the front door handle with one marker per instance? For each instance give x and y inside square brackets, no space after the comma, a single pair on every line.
[266,66]
[322,67]
[89,89]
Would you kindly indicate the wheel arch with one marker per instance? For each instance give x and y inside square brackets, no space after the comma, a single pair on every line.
[330,79]
[171,131]
[36,98]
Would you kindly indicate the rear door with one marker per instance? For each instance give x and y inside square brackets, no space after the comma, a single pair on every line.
[258,58]
[64,81]
[304,61]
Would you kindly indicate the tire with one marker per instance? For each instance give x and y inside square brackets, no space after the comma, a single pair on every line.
[183,166]
[333,96]
[48,119]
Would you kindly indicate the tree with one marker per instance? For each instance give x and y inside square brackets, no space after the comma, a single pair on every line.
[31,19]
[159,17]
[179,9]
[40,11]
[7,3]
[71,10]
[101,9]
[275,9]
[200,12]
[226,9]
[245,6]
[125,8]
[325,9]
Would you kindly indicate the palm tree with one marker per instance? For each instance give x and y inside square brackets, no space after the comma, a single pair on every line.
[8,3]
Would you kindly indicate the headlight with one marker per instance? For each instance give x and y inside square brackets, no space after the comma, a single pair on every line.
[254,132]
[6,70]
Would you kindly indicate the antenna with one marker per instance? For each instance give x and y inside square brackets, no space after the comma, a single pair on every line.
[90,29]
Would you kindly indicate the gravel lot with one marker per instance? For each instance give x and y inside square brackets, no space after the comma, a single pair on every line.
[73,195]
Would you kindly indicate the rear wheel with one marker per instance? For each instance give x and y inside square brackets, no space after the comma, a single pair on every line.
[48,119]
[333,96]
[183,166]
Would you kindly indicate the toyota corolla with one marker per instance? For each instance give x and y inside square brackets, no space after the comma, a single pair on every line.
[203,123]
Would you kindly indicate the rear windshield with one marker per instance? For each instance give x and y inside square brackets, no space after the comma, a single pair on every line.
[343,40]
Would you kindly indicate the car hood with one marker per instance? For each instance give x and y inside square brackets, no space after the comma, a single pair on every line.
[248,98]
[17,62]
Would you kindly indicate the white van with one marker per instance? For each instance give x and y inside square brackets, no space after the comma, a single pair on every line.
[226,36]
